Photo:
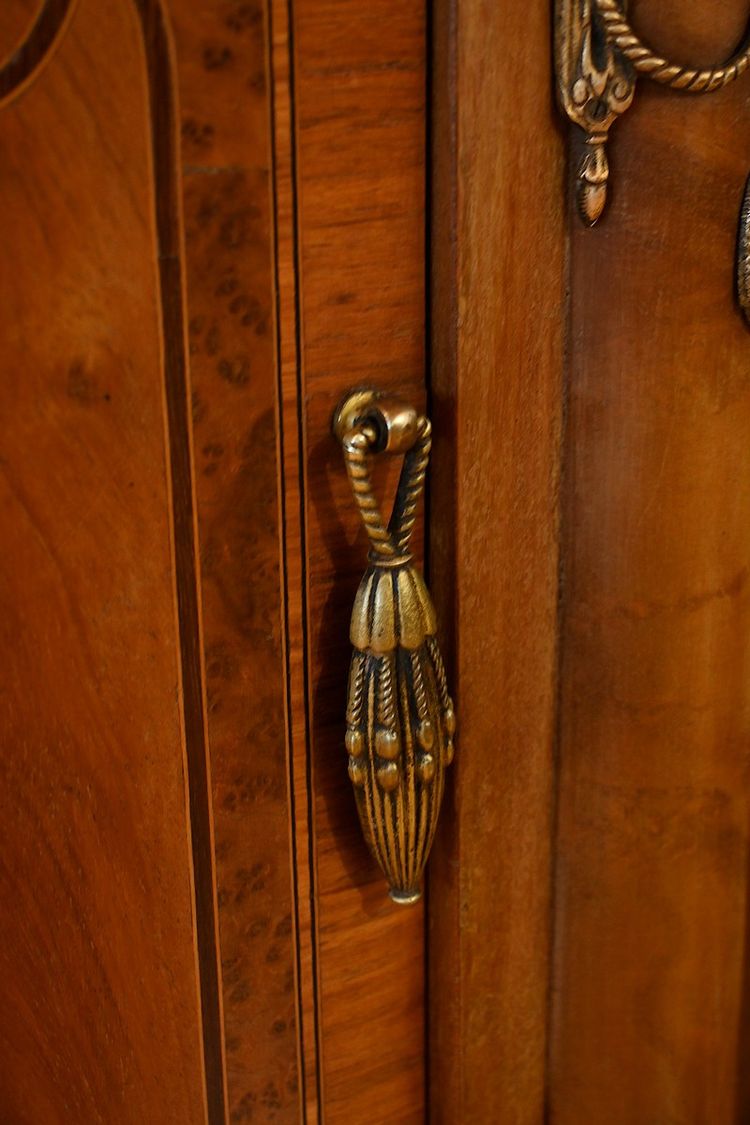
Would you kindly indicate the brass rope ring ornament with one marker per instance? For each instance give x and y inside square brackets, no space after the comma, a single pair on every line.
[400,717]
[598,58]
[643,59]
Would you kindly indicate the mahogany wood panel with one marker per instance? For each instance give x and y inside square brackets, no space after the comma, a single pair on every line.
[498,324]
[651,990]
[293,550]
[100,1017]
[16,20]
[29,34]
[225,91]
[351,190]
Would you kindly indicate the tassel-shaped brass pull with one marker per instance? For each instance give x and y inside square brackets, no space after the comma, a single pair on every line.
[400,717]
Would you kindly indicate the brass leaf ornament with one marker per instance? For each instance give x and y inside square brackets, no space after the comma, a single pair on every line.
[598,57]
[400,719]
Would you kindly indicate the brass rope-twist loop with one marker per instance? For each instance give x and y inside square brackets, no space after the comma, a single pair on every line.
[643,59]
[391,542]
[358,448]
[410,486]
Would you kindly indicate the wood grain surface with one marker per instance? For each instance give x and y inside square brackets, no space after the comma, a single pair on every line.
[192,928]
[100,1012]
[283,305]
[225,93]
[351,182]
[498,320]
[294,558]
[651,973]
[29,34]
[16,21]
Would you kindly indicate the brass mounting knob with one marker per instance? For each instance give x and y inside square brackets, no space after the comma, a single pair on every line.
[400,717]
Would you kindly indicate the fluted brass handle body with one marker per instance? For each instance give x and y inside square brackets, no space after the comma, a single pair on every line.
[400,717]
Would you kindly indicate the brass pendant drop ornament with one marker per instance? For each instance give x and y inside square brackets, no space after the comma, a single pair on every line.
[400,717]
[598,57]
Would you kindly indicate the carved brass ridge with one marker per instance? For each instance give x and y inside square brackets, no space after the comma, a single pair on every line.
[597,58]
[400,717]
[743,255]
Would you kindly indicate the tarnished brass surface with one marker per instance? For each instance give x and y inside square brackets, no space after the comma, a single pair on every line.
[743,255]
[594,85]
[400,717]
[597,58]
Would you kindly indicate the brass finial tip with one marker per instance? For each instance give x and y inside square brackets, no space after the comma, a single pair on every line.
[405,898]
[591,201]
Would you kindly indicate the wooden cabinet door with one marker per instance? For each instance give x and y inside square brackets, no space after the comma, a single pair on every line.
[217,219]
[589,901]
[102,1017]
[209,214]
[653,796]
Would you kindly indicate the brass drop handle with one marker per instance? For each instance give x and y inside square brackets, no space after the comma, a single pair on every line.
[400,717]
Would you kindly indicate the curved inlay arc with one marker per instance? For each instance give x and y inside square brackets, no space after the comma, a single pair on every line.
[23,65]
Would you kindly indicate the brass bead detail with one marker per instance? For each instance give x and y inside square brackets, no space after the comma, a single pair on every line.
[449,751]
[426,767]
[356,773]
[354,741]
[388,776]
[387,744]
[425,734]
[449,718]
